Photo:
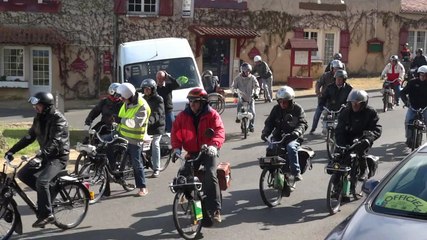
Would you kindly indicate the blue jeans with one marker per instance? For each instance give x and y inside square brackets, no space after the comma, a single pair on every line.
[292,149]
[410,115]
[251,109]
[396,93]
[155,152]
[134,152]
[169,120]
[317,115]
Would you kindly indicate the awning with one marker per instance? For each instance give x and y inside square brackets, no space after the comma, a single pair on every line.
[31,35]
[203,32]
[301,44]
[227,32]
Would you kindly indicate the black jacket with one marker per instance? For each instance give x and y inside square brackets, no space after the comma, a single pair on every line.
[352,124]
[416,90]
[166,92]
[418,61]
[156,122]
[334,97]
[50,129]
[282,121]
[108,108]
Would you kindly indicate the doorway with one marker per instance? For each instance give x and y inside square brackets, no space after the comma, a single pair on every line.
[216,57]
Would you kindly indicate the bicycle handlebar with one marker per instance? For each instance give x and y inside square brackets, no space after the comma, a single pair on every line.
[24,158]
[115,136]
[419,110]
[334,112]
[203,149]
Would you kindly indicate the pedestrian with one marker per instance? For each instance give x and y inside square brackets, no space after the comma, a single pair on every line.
[134,115]
[156,121]
[165,85]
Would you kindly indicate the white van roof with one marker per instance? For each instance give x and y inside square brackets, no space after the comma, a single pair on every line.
[154,49]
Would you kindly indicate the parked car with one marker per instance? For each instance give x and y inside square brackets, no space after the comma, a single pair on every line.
[396,207]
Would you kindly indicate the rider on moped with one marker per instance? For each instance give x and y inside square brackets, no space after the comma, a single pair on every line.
[248,86]
[336,94]
[394,73]
[414,95]
[188,133]
[287,117]
[353,123]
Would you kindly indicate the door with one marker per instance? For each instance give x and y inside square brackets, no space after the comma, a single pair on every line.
[40,70]
[216,57]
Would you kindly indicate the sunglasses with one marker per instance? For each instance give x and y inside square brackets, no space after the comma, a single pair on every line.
[193,100]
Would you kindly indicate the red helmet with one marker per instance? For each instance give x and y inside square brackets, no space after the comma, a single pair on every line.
[198,94]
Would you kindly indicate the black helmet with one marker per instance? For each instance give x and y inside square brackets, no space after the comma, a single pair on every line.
[337,56]
[342,74]
[149,83]
[45,98]
[420,51]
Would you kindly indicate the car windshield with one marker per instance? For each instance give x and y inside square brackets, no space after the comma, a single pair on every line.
[182,69]
[405,193]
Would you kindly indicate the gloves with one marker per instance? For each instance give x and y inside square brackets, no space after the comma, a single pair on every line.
[235,95]
[362,146]
[212,151]
[264,137]
[88,122]
[9,157]
[35,163]
[291,137]
[255,96]
[176,154]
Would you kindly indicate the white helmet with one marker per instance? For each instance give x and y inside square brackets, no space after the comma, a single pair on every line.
[337,64]
[257,58]
[286,93]
[422,69]
[113,88]
[126,90]
[394,58]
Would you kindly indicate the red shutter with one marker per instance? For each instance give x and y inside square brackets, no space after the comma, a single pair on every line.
[403,36]
[298,33]
[344,44]
[166,8]
[120,6]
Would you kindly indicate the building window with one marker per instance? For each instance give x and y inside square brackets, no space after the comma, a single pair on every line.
[13,63]
[40,67]
[417,39]
[327,43]
[312,35]
[143,7]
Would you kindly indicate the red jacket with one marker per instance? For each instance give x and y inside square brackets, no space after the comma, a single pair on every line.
[185,135]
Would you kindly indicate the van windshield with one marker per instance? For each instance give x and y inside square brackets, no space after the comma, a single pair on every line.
[135,73]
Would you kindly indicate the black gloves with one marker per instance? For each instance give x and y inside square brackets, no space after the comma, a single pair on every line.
[264,137]
[8,156]
[255,96]
[362,146]
[291,137]
[88,122]
[235,95]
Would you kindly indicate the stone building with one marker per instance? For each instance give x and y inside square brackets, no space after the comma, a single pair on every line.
[68,47]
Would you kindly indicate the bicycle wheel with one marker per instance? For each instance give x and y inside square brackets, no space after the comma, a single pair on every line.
[385,102]
[81,160]
[245,127]
[330,142]
[97,177]
[270,194]
[70,203]
[221,104]
[333,195]
[184,217]
[127,174]
[8,219]
[165,159]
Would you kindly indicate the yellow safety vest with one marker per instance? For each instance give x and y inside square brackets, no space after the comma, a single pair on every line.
[136,133]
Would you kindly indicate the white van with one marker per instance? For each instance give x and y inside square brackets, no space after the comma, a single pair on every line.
[140,60]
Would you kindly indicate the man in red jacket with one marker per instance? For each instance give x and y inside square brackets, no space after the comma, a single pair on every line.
[188,132]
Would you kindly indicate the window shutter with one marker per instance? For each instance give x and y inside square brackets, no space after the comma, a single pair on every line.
[120,6]
[165,7]
[298,33]
[344,44]
[403,36]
